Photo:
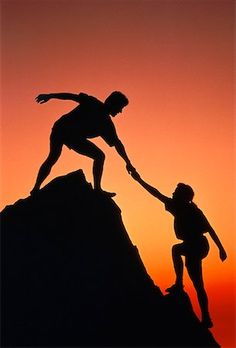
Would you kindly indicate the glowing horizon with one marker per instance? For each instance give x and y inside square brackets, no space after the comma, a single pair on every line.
[174,61]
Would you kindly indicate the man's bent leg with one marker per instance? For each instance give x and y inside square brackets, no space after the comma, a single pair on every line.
[89,149]
[98,164]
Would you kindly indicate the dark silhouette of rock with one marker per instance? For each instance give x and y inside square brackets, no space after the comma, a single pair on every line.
[72,277]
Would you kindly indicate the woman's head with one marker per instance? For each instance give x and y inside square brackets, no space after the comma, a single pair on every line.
[183,193]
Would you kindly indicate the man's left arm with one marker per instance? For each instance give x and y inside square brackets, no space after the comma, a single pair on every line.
[43,98]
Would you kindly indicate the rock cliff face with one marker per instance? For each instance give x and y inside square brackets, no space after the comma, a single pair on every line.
[72,277]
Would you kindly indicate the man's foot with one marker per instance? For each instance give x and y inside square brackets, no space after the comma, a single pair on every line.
[105,193]
[175,288]
[207,322]
[34,191]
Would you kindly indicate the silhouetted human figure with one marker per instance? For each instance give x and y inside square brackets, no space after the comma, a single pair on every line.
[91,118]
[189,224]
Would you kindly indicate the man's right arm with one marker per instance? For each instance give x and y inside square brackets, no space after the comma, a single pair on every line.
[121,151]
[43,98]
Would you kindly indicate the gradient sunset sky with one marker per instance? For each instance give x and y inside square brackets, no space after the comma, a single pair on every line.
[174,61]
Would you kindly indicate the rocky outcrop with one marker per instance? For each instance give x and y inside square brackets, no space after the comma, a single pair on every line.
[72,277]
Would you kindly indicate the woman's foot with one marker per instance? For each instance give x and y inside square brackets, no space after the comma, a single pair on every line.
[207,322]
[34,191]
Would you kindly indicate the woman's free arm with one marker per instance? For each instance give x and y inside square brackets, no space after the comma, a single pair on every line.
[215,238]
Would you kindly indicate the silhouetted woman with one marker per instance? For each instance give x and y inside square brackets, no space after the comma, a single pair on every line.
[189,224]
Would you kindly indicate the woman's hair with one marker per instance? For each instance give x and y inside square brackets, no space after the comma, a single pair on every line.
[186,191]
[117,98]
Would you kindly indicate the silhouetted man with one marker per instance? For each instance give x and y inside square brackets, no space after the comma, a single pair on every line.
[90,119]
[189,224]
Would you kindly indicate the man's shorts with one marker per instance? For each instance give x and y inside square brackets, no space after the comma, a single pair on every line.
[60,136]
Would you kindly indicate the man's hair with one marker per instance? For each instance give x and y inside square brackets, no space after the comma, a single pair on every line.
[186,191]
[117,98]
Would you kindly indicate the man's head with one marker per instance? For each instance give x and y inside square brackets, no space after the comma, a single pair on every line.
[115,102]
[183,193]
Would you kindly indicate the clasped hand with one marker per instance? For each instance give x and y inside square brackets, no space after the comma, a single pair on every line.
[130,168]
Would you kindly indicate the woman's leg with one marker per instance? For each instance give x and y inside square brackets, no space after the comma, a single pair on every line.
[194,267]
[177,251]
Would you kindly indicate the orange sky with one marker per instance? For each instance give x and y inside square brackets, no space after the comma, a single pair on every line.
[174,61]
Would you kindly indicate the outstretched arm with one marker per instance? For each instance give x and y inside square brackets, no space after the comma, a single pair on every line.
[121,151]
[215,238]
[150,188]
[43,98]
